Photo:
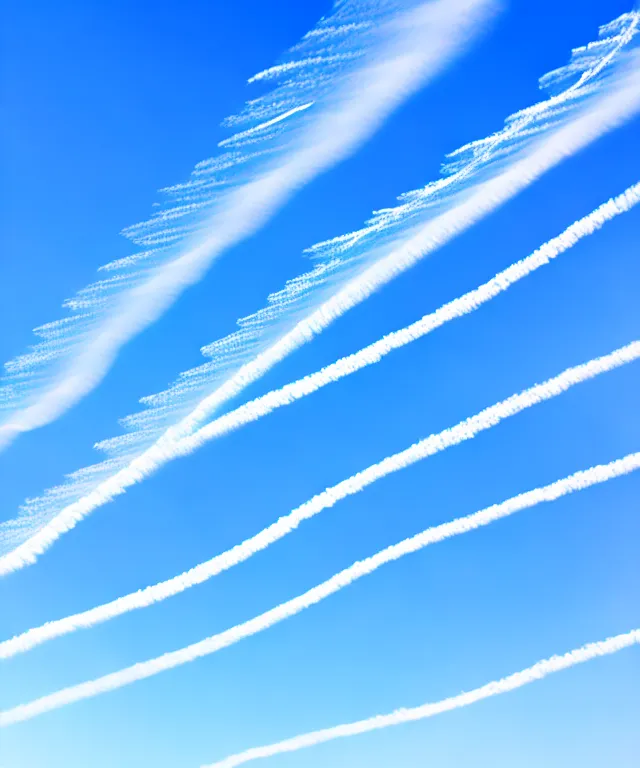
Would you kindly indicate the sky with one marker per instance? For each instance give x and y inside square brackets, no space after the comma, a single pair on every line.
[108,102]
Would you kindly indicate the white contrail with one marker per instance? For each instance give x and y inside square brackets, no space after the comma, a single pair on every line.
[288,523]
[608,113]
[291,392]
[266,124]
[601,114]
[459,307]
[538,671]
[352,485]
[407,50]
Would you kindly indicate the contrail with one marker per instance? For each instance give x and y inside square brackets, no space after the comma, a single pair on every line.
[309,123]
[405,250]
[431,445]
[291,392]
[145,597]
[538,671]
[44,520]
[373,353]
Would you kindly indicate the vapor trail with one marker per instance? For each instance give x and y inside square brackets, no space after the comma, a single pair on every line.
[431,445]
[373,353]
[145,597]
[291,392]
[535,140]
[538,671]
[334,94]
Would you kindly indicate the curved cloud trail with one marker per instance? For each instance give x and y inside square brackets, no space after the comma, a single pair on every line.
[373,353]
[517,680]
[599,90]
[464,431]
[337,87]
[292,392]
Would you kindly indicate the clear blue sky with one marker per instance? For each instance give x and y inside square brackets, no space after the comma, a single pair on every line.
[103,103]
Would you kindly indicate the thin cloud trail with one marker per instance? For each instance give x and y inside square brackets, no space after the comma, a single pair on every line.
[285,525]
[538,671]
[469,302]
[390,219]
[576,482]
[333,93]
[352,485]
[601,96]
[291,392]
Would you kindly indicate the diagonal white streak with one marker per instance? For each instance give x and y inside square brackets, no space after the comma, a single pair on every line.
[266,124]
[608,112]
[296,390]
[611,111]
[422,41]
[431,445]
[512,682]
[150,595]
[459,307]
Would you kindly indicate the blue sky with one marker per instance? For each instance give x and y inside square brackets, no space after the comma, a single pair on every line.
[104,105]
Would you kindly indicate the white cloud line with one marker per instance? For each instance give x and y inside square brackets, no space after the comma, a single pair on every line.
[280,69]
[294,391]
[517,680]
[459,307]
[423,41]
[266,124]
[433,444]
[610,111]
[605,113]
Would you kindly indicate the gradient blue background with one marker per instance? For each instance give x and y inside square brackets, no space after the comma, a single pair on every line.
[105,102]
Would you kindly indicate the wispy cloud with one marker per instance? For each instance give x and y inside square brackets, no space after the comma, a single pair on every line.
[598,91]
[428,447]
[517,680]
[335,88]
[301,388]
[465,304]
